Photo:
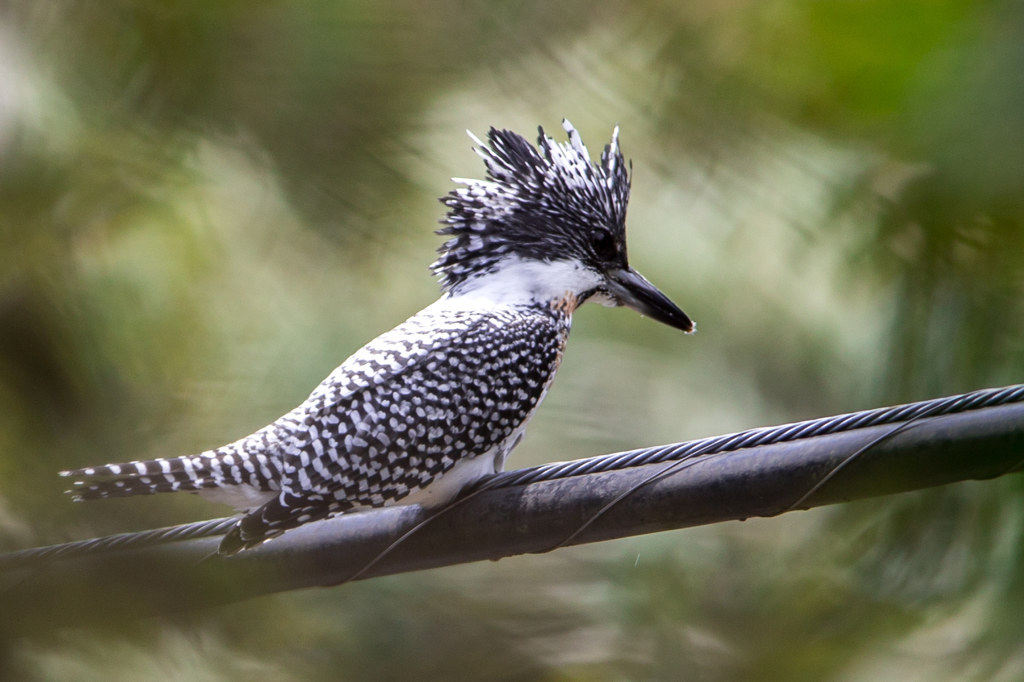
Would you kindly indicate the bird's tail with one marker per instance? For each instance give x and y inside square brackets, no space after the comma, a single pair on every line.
[212,469]
[140,478]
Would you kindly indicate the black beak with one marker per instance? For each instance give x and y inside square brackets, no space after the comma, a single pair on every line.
[633,290]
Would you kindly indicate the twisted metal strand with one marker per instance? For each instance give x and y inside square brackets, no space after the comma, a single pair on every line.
[989,397]
[676,452]
[112,543]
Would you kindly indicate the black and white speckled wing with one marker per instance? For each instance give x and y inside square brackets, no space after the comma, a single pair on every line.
[442,388]
[256,462]
[446,386]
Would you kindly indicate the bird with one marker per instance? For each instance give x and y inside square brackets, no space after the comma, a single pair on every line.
[437,403]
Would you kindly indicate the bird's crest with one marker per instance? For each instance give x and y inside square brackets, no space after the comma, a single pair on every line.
[537,202]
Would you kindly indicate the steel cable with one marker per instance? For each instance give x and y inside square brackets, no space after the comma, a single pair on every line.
[990,397]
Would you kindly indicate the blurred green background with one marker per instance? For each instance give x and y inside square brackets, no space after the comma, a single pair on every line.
[206,205]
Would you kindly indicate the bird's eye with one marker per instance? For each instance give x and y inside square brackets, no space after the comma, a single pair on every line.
[604,244]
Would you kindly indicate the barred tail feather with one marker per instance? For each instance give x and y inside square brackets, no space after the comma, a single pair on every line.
[191,466]
[136,485]
[224,467]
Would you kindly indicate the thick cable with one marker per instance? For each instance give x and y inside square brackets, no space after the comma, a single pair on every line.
[676,452]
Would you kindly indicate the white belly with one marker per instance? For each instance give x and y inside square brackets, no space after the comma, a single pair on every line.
[444,489]
[241,498]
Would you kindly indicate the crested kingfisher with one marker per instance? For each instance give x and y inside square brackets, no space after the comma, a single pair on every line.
[438,402]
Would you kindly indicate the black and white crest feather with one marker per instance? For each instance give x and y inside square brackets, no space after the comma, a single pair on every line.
[537,202]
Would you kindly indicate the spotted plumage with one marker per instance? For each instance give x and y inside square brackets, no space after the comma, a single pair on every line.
[440,400]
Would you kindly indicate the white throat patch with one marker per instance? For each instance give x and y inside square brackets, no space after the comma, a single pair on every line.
[518,281]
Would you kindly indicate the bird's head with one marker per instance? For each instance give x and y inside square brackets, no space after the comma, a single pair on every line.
[547,224]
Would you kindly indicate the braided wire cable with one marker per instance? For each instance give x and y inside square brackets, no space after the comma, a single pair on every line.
[990,397]
[112,543]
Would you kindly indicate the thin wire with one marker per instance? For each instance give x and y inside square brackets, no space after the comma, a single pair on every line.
[676,453]
[842,465]
[671,469]
[387,550]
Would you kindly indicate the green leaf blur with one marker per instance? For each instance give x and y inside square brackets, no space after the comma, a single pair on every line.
[205,206]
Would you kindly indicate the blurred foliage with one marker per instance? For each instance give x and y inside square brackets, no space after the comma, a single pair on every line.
[207,205]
